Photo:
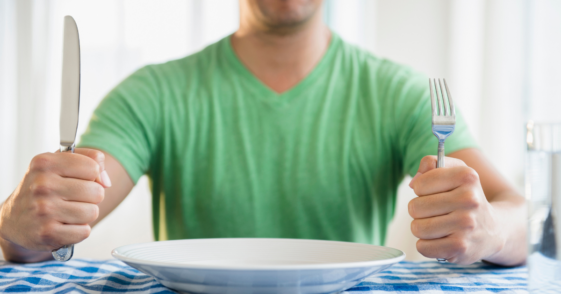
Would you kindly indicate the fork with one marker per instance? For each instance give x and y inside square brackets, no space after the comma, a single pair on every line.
[443,120]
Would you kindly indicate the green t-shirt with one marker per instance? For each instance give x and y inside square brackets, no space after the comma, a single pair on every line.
[229,157]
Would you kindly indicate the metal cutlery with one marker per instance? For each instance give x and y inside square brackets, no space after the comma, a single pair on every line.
[70,103]
[443,119]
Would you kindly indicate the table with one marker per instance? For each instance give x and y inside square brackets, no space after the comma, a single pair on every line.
[113,276]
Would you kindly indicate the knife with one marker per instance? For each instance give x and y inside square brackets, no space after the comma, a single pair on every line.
[69,104]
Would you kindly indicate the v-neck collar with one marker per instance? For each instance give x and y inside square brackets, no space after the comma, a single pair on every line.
[269,94]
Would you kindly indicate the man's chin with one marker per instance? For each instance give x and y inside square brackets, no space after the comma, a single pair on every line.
[287,17]
[285,24]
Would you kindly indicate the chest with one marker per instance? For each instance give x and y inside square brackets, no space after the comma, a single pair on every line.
[320,136]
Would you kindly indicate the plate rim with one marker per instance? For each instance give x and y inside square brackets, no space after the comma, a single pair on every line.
[356,264]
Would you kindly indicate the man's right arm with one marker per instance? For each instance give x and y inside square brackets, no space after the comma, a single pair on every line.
[60,199]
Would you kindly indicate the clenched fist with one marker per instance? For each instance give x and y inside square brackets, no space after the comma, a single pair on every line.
[452,217]
[56,200]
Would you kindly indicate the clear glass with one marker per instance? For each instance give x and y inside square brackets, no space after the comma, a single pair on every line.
[543,195]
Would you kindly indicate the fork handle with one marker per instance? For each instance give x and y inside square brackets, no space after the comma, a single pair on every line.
[439,164]
[440,157]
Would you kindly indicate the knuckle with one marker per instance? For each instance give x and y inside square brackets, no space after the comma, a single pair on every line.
[80,233]
[418,188]
[470,176]
[427,159]
[41,162]
[85,232]
[411,209]
[99,194]
[426,163]
[472,200]
[460,246]
[42,208]
[415,228]
[93,214]
[41,186]
[468,222]
[98,156]
[93,169]
[47,235]
[93,192]
[421,248]
[87,213]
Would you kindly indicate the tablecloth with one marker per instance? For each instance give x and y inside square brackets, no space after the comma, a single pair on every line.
[113,276]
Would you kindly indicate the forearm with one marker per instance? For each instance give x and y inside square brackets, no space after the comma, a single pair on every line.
[510,212]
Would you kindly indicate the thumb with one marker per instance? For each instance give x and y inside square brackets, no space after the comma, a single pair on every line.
[428,163]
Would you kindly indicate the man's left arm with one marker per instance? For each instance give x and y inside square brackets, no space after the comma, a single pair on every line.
[467,211]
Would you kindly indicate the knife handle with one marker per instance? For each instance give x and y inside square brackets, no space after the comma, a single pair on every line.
[65,252]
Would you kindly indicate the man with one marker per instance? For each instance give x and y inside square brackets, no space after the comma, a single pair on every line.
[280,130]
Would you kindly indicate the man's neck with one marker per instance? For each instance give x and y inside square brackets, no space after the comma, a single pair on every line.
[281,60]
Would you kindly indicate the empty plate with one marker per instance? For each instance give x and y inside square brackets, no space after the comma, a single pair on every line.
[254,265]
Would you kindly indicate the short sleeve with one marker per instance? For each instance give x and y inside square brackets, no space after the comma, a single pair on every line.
[413,121]
[126,123]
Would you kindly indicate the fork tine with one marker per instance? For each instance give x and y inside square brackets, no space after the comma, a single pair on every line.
[432,103]
[438,98]
[443,96]
[450,101]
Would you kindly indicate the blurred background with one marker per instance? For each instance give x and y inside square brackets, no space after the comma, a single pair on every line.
[501,59]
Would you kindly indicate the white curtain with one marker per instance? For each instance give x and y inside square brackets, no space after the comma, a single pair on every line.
[500,58]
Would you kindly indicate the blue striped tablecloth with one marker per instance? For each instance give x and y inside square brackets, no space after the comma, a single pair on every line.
[112,276]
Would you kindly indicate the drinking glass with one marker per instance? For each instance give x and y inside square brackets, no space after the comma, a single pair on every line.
[543,196]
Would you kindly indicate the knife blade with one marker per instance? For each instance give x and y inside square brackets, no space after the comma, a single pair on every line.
[69,103]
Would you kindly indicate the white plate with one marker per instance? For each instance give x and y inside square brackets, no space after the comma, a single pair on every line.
[253,265]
